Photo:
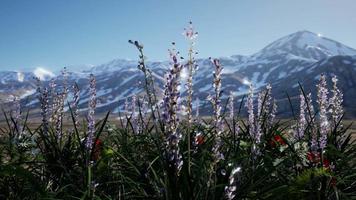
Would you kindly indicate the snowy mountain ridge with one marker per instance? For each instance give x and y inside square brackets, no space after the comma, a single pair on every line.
[296,57]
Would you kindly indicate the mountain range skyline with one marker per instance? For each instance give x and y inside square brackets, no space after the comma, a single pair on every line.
[299,57]
[42,71]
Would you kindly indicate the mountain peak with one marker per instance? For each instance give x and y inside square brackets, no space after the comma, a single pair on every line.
[308,45]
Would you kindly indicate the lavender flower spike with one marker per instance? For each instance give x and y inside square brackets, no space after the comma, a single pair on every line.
[170,109]
[91,117]
[43,99]
[311,121]
[302,122]
[134,116]
[17,115]
[231,105]
[336,102]
[190,34]
[216,102]
[323,105]
[230,190]
[250,111]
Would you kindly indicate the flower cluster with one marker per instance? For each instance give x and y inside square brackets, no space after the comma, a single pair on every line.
[216,103]
[44,101]
[53,95]
[336,101]
[315,159]
[311,121]
[58,99]
[269,106]
[250,110]
[277,140]
[17,116]
[149,80]
[91,117]
[231,105]
[230,190]
[323,105]
[134,117]
[302,122]
[170,109]
[189,32]
[266,109]
[191,65]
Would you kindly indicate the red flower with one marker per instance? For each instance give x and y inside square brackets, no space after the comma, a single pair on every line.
[313,157]
[333,181]
[326,163]
[97,149]
[199,139]
[277,140]
[98,142]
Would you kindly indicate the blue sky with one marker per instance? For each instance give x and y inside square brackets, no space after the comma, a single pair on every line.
[57,33]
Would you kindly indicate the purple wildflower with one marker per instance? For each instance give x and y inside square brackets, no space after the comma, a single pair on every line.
[59,115]
[216,102]
[91,117]
[268,99]
[230,190]
[302,122]
[260,98]
[43,99]
[144,106]
[336,102]
[231,105]
[190,34]
[323,105]
[250,111]
[272,114]
[311,120]
[258,129]
[134,113]
[65,83]
[170,109]
[17,116]
[264,108]
[52,91]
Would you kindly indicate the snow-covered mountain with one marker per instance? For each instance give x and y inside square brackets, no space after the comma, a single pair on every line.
[298,57]
[305,44]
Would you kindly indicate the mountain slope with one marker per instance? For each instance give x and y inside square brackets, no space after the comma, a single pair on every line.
[298,57]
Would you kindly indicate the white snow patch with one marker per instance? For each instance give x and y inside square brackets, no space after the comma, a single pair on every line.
[20,77]
[27,93]
[42,73]
[282,75]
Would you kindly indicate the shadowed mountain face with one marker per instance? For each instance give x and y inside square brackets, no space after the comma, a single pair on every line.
[297,58]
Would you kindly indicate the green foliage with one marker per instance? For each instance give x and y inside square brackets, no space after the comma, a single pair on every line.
[130,163]
[133,166]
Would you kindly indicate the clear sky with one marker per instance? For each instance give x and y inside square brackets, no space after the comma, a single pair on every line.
[57,33]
